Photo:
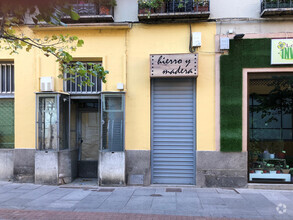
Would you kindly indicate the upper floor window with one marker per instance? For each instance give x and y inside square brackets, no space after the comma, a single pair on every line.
[75,86]
[92,11]
[169,9]
[276,8]
[6,78]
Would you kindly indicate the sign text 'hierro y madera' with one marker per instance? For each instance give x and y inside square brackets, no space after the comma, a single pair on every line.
[173,65]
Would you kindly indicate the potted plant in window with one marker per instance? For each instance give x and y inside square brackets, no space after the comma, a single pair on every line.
[106,5]
[150,6]
[201,5]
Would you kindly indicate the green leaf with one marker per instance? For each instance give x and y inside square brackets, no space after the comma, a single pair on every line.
[74,15]
[80,43]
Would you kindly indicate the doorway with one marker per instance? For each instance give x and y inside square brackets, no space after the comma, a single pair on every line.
[173,131]
[87,137]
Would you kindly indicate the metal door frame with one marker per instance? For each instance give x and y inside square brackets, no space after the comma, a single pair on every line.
[194,126]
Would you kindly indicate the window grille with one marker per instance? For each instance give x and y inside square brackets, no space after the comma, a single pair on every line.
[6,78]
[77,88]
[7,123]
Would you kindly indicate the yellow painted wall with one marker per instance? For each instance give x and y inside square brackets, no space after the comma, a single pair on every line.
[125,53]
[163,39]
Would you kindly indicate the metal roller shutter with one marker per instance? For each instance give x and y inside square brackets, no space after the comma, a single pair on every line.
[173,131]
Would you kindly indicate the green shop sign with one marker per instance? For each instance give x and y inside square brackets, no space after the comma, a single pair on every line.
[282,51]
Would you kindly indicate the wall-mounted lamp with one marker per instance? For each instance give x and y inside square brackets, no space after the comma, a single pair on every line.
[238,36]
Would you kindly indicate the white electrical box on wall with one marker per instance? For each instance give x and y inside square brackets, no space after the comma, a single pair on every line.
[120,86]
[196,39]
[224,43]
[47,84]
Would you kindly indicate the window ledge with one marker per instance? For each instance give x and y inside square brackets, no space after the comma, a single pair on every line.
[89,19]
[174,15]
[276,12]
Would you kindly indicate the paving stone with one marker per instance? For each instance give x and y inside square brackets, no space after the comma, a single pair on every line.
[76,195]
[139,202]
[144,192]
[162,203]
[123,191]
[29,186]
[36,193]
[63,205]
[212,201]
[206,190]
[17,202]
[225,191]
[8,195]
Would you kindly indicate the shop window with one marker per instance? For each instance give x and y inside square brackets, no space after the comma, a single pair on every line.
[52,121]
[6,123]
[270,143]
[6,105]
[113,122]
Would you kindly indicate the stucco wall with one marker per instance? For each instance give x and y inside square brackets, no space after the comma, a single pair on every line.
[126,10]
[163,39]
[235,8]
[125,53]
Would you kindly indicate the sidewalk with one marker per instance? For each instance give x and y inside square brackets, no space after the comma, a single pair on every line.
[105,202]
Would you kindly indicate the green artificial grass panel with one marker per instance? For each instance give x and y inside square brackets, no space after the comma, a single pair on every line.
[248,53]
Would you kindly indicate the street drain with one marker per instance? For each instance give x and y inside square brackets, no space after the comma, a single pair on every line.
[106,190]
[156,195]
[173,190]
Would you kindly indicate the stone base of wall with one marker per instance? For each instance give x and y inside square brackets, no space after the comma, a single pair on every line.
[111,169]
[138,167]
[55,168]
[46,167]
[218,169]
[6,164]
[24,165]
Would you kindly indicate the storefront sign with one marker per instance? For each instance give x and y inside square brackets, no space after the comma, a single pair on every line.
[282,51]
[173,65]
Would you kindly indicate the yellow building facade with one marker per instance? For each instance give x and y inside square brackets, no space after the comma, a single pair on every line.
[124,50]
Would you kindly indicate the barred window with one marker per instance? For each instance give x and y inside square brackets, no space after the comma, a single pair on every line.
[76,87]
[6,78]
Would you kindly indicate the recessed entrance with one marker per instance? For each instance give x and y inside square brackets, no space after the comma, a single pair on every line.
[87,136]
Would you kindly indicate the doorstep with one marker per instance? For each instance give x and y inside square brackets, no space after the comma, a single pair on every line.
[270,186]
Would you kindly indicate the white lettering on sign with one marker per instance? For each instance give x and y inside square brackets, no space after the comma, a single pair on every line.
[173,65]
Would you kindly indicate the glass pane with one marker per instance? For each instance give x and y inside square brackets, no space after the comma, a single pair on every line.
[8,78]
[112,103]
[47,123]
[73,125]
[6,123]
[12,78]
[287,134]
[90,136]
[270,135]
[3,76]
[113,123]
[64,122]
